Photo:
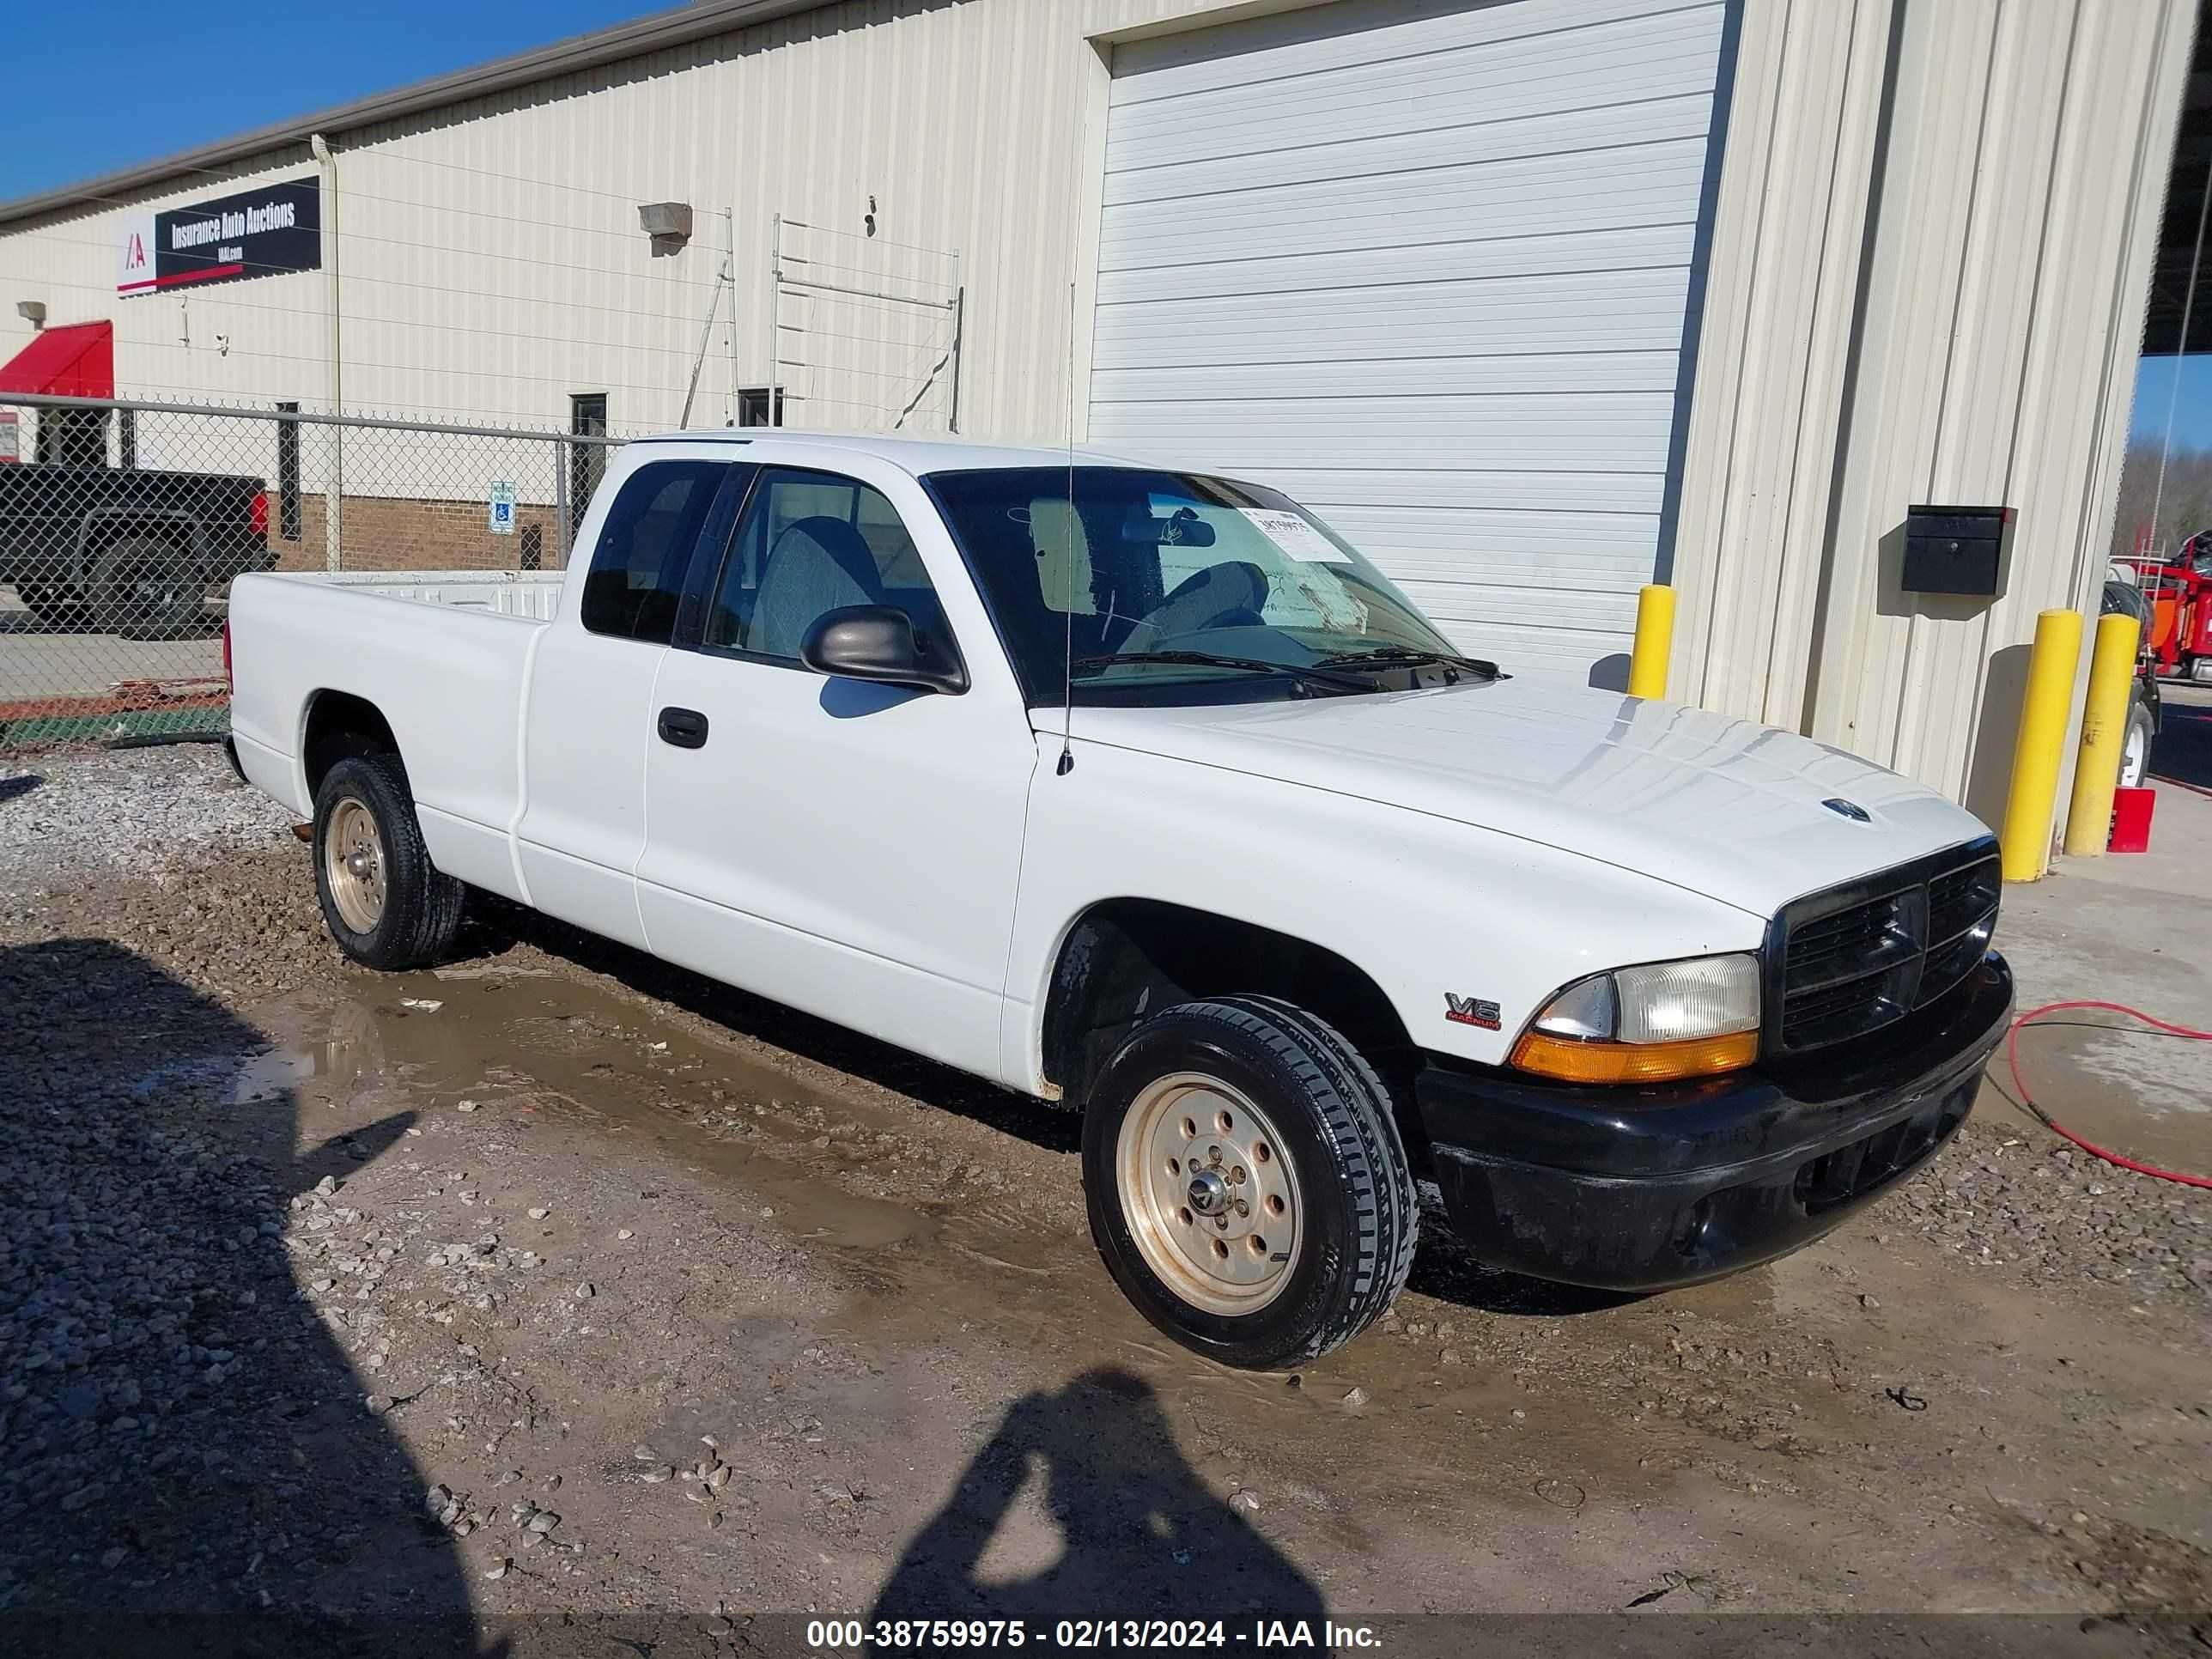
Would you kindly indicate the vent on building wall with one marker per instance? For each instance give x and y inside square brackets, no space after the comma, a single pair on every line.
[668,223]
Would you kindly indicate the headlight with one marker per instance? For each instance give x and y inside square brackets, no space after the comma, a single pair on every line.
[1649,1025]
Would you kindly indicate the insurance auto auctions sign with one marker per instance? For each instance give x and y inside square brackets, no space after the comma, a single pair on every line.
[258,233]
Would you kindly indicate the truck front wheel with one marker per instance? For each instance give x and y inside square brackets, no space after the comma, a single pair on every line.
[1246,1183]
[385,904]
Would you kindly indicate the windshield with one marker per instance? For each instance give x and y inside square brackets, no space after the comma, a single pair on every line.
[1154,570]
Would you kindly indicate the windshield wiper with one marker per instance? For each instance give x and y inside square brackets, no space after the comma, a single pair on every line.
[1395,656]
[1209,659]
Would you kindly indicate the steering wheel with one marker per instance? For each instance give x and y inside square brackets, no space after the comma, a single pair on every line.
[1220,596]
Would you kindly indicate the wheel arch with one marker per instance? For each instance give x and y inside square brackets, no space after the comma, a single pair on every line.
[104,529]
[1122,958]
[338,724]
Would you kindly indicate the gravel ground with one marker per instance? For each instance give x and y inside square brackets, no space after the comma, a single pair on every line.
[2023,1204]
[211,1323]
[567,1283]
[158,1368]
[72,814]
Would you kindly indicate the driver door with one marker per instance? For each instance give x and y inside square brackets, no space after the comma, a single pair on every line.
[847,848]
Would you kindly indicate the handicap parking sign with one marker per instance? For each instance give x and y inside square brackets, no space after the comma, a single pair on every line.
[502,507]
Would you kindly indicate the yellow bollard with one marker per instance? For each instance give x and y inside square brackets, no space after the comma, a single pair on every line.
[2026,841]
[2104,736]
[1654,640]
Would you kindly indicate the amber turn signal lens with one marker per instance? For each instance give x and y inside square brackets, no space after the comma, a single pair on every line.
[1574,1061]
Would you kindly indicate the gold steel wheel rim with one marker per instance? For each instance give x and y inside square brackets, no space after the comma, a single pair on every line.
[353,863]
[1210,1194]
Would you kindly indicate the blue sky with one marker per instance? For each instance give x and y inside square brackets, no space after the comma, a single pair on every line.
[90,87]
[2192,405]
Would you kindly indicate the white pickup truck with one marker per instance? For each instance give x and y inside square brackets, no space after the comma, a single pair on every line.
[1141,790]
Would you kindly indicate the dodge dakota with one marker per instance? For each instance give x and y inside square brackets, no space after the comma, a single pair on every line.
[1141,791]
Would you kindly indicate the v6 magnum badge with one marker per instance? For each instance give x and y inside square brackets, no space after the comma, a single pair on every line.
[1470,1010]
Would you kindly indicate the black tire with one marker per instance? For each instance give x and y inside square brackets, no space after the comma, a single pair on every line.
[2134,762]
[144,589]
[422,905]
[1332,1116]
[54,604]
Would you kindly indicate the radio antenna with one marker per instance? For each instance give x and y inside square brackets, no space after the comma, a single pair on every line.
[1066,763]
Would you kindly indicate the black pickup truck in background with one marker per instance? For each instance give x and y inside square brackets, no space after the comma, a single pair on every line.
[127,551]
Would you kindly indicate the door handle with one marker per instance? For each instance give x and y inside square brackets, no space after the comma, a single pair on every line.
[684,727]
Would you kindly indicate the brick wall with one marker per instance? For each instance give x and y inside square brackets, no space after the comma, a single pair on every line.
[383,532]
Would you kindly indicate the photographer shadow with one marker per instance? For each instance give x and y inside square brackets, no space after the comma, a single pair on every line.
[193,1466]
[1138,1535]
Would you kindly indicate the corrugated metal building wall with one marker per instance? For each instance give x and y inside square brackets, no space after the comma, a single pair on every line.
[1926,227]
[1932,244]
[167,346]
[492,262]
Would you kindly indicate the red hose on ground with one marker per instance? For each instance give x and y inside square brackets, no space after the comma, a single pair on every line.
[2012,1060]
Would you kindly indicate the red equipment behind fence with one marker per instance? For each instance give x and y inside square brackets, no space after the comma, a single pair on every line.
[2178,638]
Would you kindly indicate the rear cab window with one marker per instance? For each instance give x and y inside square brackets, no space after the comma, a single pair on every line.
[635,584]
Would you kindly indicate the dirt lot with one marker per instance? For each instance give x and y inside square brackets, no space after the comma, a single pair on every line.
[556,1285]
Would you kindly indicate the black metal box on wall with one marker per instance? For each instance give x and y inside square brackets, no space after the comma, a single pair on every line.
[1957,550]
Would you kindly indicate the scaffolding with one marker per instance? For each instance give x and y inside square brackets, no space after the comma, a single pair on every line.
[866,331]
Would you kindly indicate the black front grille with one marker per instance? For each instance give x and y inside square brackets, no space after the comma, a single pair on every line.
[1959,898]
[1851,960]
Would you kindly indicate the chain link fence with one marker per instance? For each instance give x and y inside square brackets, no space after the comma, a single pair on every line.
[122,523]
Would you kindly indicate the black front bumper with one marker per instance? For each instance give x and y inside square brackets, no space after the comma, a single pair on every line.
[1641,1188]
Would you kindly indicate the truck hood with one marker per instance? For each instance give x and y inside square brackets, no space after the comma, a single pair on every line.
[1724,807]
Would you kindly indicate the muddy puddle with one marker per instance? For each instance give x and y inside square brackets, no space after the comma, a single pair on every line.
[1510,1385]
[556,1048]
[958,1269]
[544,1045]
[2133,1090]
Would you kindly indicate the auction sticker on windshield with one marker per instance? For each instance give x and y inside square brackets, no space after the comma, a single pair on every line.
[1295,536]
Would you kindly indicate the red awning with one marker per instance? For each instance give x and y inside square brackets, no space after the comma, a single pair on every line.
[76,360]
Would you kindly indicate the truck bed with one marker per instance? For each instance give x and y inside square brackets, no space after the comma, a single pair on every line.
[443,654]
[532,595]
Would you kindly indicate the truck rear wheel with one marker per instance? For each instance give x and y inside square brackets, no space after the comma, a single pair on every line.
[143,589]
[385,902]
[1246,1183]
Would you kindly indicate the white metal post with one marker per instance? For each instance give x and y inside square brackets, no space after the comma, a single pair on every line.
[775,338]
[730,264]
[726,275]
[334,469]
[563,465]
[960,320]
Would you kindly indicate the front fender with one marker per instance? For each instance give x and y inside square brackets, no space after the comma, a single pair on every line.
[1427,907]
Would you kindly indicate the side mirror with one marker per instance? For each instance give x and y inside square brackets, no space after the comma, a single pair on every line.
[880,642]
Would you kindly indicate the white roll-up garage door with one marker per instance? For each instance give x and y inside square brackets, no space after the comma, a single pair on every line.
[1428,268]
